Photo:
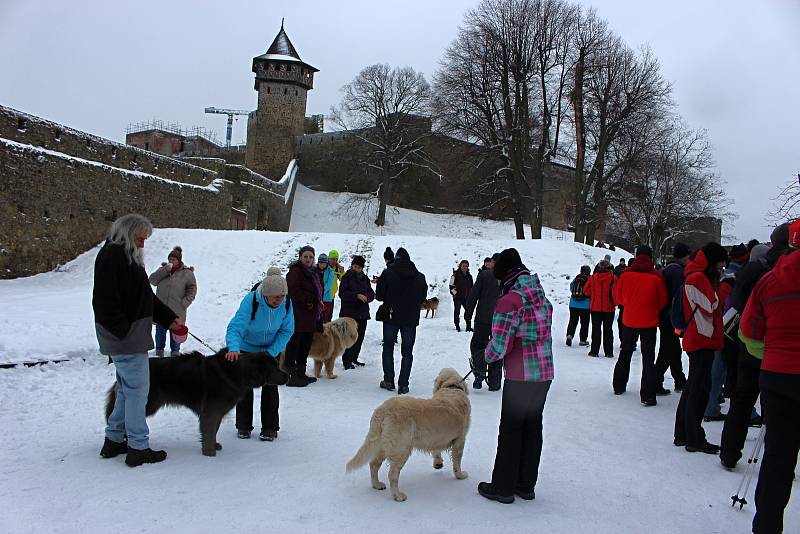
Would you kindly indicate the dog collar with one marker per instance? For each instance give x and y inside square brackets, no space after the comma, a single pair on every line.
[454,386]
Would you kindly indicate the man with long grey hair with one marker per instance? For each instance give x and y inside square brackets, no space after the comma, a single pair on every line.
[124,310]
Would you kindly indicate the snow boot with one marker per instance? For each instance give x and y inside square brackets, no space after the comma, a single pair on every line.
[402,390]
[358,363]
[389,386]
[297,379]
[569,341]
[458,327]
[486,489]
[268,435]
[469,326]
[113,448]
[583,344]
[137,457]
[477,383]
[662,391]
[708,448]
[526,495]
[243,434]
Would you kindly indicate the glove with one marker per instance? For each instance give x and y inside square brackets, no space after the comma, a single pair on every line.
[453,292]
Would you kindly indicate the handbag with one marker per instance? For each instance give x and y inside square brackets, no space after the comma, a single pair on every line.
[384,312]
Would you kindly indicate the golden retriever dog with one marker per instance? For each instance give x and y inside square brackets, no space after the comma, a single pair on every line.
[430,306]
[336,337]
[403,424]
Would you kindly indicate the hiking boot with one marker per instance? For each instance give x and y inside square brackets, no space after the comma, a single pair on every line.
[593,354]
[268,435]
[358,363]
[243,434]
[477,383]
[402,390]
[389,386]
[583,344]
[174,353]
[526,495]
[349,365]
[297,380]
[486,489]
[662,391]
[708,448]
[113,448]
[160,353]
[679,442]
[710,418]
[569,341]
[619,391]
[649,402]
[137,457]
[458,328]
[728,466]
[609,355]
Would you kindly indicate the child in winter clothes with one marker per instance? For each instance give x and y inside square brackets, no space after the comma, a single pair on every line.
[328,280]
[176,286]
[579,308]
[521,337]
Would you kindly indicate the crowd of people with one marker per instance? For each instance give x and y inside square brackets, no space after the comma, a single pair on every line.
[734,314]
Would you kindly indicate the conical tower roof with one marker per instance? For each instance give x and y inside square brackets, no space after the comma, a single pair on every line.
[282,45]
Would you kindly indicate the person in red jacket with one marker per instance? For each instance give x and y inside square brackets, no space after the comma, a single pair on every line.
[642,292]
[599,288]
[702,309]
[770,326]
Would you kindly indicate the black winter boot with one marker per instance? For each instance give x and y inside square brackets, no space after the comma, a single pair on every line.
[137,457]
[113,448]
[458,327]
[469,326]
[297,379]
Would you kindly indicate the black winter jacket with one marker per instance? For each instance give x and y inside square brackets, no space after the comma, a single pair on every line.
[484,293]
[673,278]
[352,284]
[124,304]
[749,275]
[462,283]
[404,288]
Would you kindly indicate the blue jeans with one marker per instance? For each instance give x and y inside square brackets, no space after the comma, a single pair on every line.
[408,335]
[718,371]
[161,340]
[133,386]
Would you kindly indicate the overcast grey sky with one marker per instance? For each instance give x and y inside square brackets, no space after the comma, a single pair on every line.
[99,65]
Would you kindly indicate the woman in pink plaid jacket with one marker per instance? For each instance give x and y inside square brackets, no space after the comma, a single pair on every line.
[521,338]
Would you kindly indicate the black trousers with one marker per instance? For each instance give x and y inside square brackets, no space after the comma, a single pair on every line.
[694,397]
[602,323]
[669,356]
[620,326]
[576,314]
[743,400]
[297,351]
[458,303]
[622,370]
[477,347]
[730,354]
[780,395]
[519,441]
[350,355]
[269,410]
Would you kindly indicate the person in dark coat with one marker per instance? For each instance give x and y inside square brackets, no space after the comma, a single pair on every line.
[356,293]
[305,292]
[487,264]
[402,288]
[124,310]
[669,345]
[460,285]
[480,303]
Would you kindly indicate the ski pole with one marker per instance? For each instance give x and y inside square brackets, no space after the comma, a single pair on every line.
[747,477]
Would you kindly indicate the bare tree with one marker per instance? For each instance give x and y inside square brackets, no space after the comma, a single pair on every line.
[379,107]
[668,185]
[787,203]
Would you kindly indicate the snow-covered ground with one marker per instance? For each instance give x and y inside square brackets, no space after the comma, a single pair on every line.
[608,463]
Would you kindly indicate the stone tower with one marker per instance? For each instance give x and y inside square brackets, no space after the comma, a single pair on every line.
[282,81]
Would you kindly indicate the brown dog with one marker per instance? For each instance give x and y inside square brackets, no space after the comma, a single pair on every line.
[430,305]
[336,337]
[402,424]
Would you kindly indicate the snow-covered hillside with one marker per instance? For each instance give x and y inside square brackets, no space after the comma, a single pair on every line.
[608,463]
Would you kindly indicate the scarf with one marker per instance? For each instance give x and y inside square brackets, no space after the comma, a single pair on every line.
[511,278]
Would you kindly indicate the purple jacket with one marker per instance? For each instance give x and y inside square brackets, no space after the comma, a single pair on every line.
[521,332]
[352,284]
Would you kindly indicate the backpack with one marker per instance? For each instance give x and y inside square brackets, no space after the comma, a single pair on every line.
[676,316]
[577,293]
[255,302]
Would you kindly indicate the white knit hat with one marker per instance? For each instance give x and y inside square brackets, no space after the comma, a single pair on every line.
[274,283]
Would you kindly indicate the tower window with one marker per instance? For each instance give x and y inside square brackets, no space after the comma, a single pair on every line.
[295,92]
[147,146]
[285,91]
[22,124]
[268,91]
[58,135]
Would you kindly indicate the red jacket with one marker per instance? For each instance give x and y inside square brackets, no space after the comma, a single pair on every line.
[772,315]
[641,290]
[702,308]
[599,288]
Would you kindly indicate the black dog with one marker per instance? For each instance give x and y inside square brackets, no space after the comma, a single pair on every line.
[209,386]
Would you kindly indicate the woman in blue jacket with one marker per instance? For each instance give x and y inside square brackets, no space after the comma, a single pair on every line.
[264,322]
[579,308]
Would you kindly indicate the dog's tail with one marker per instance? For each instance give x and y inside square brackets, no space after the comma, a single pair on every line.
[111,399]
[371,444]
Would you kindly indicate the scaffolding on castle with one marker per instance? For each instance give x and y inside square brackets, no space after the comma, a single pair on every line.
[174,128]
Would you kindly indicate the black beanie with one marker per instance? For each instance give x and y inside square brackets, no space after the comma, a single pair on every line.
[680,250]
[714,252]
[780,237]
[509,259]
[644,250]
[388,255]
[402,254]
[359,260]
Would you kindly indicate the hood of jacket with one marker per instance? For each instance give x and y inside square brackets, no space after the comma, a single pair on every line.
[642,264]
[787,271]
[603,276]
[698,265]
[403,267]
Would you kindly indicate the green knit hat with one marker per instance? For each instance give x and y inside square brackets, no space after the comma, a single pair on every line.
[333,254]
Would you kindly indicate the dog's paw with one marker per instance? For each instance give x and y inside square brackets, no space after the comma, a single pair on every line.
[400,496]
[332,376]
[461,475]
[438,464]
[218,446]
[379,485]
[212,452]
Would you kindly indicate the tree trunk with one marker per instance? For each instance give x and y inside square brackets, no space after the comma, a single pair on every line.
[384,195]
[580,159]
[536,208]
[519,225]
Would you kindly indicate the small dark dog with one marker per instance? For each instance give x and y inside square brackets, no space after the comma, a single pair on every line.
[209,386]
[430,306]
